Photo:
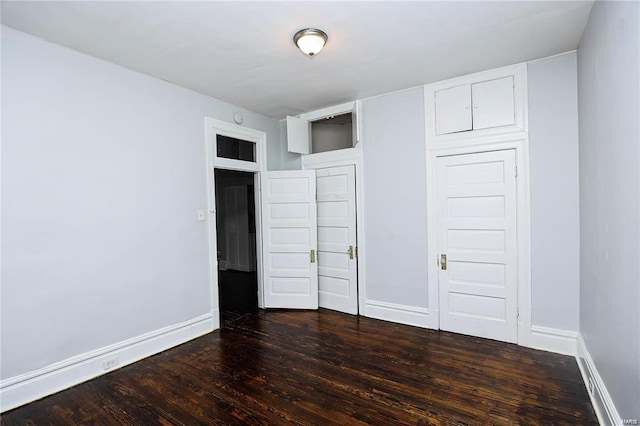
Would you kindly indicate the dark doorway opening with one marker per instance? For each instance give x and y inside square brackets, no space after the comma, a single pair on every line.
[236,238]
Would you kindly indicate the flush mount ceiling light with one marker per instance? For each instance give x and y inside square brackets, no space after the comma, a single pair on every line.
[310,41]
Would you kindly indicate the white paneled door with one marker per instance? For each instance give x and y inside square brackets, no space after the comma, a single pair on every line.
[337,264]
[477,244]
[289,239]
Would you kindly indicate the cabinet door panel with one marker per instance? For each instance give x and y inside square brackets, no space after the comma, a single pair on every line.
[298,135]
[453,110]
[493,103]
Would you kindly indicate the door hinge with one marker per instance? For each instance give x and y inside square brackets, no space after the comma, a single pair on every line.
[356,252]
[518,312]
[516,171]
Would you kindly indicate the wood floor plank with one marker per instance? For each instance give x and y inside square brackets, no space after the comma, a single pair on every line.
[323,367]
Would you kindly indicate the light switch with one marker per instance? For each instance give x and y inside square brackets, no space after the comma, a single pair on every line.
[200,215]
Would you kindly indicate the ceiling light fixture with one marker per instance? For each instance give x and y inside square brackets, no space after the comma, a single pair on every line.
[310,41]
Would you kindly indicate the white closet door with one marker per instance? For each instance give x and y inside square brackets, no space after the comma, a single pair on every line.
[337,265]
[477,233]
[289,225]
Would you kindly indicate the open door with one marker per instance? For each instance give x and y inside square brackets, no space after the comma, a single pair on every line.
[355,123]
[337,264]
[298,139]
[289,223]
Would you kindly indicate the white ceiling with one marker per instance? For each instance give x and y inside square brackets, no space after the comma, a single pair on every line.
[243,53]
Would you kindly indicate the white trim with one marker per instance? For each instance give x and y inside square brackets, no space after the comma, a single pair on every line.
[344,157]
[568,52]
[553,340]
[24,388]
[402,314]
[214,127]
[600,399]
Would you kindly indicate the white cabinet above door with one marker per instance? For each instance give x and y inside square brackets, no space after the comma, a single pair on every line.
[453,110]
[475,106]
[493,103]
[489,103]
[303,129]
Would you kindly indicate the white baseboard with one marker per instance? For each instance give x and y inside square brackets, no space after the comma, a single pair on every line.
[551,339]
[600,398]
[403,314]
[24,388]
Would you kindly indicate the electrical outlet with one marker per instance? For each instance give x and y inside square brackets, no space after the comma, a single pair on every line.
[591,387]
[110,363]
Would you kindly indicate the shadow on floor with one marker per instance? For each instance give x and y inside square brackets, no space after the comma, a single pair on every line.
[238,295]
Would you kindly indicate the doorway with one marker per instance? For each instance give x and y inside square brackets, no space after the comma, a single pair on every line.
[236,244]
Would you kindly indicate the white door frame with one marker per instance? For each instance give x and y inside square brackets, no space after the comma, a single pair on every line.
[215,127]
[346,157]
[520,143]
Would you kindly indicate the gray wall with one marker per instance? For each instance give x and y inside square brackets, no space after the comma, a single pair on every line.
[608,92]
[395,195]
[103,170]
[555,220]
[395,198]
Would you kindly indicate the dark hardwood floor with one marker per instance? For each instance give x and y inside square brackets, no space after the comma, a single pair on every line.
[322,367]
[238,292]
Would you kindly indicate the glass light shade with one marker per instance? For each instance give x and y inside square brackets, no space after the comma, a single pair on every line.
[310,41]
